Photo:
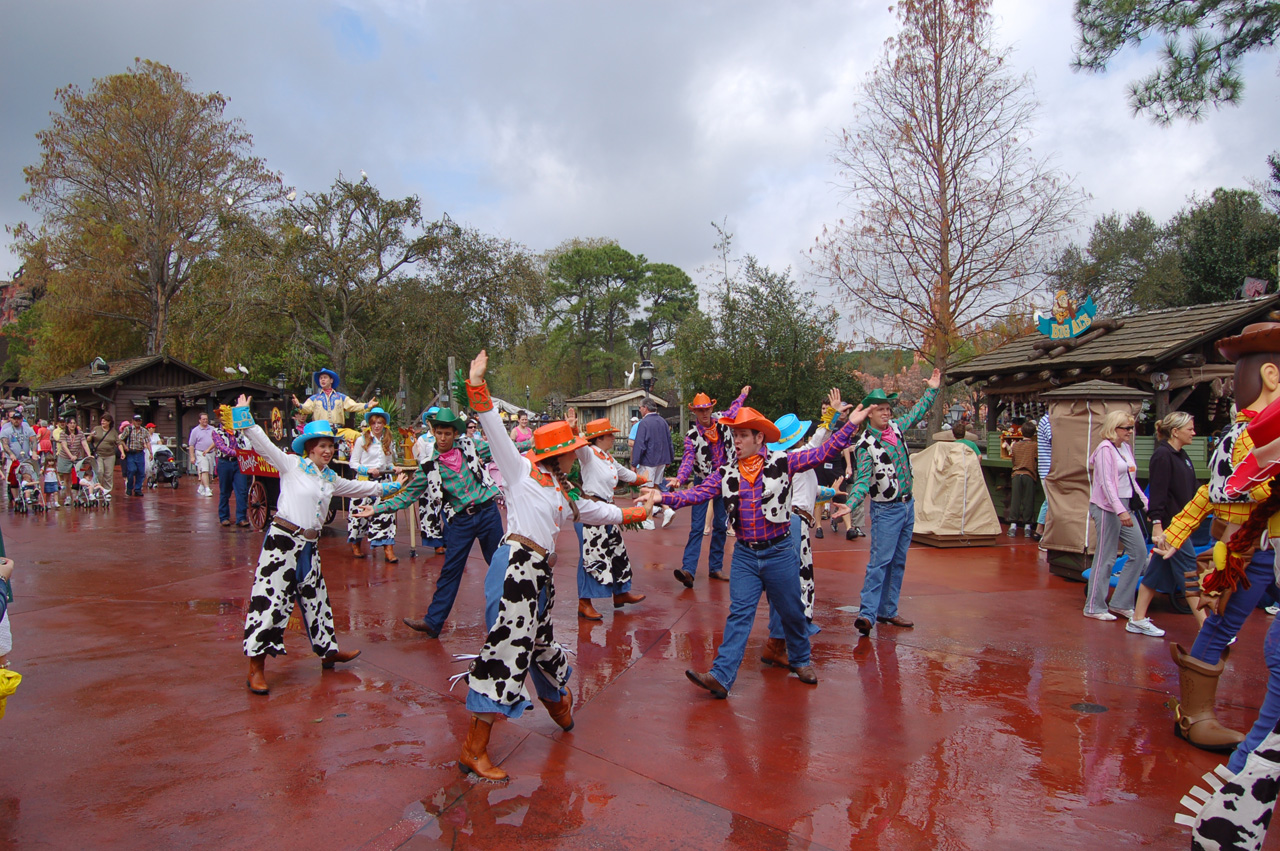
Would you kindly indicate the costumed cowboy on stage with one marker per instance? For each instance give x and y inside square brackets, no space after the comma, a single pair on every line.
[757,490]
[460,499]
[518,587]
[289,566]
[708,446]
[330,405]
[373,459]
[1256,354]
[884,474]
[604,568]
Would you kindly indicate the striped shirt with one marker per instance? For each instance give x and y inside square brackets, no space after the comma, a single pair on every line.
[1044,448]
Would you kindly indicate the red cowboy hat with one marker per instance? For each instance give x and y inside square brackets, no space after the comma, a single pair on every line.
[1264,461]
[598,428]
[753,419]
[554,439]
[1255,338]
[702,402]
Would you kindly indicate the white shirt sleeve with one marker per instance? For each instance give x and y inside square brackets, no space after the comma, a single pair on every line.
[262,444]
[511,463]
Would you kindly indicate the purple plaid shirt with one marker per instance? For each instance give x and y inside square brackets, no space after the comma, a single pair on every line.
[717,448]
[752,525]
[224,444]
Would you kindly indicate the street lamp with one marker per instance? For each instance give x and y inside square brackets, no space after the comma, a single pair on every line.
[646,376]
[526,398]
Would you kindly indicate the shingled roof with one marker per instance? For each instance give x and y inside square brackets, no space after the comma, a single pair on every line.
[1149,337]
[609,397]
[83,379]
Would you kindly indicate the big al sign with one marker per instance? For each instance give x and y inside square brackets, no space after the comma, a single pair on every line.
[1066,320]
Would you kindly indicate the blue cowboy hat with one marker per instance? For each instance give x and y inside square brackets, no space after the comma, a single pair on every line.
[792,429]
[318,428]
[429,413]
[315,376]
[377,412]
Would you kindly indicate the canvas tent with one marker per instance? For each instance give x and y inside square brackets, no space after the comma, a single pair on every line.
[1075,416]
[953,508]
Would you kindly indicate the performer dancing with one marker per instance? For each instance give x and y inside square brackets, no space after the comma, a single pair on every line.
[518,588]
[460,497]
[289,566]
[757,489]
[330,405]
[604,569]
[373,458]
[708,446]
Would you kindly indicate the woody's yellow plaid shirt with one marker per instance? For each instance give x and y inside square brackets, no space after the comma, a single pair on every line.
[1191,516]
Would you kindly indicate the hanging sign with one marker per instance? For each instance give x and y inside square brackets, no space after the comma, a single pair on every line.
[1066,320]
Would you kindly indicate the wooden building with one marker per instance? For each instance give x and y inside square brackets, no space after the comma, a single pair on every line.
[619,406]
[188,401]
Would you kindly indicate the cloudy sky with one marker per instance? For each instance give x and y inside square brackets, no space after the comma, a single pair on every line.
[644,122]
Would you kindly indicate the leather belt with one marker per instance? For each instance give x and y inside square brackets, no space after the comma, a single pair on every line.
[806,516]
[761,545]
[595,498]
[293,529]
[906,498]
[513,538]
[477,507]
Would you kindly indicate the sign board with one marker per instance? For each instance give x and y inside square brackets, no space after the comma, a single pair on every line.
[1067,320]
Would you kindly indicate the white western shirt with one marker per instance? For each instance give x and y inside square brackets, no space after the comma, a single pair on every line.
[601,473]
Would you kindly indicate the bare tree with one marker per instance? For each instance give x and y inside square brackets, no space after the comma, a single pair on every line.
[952,219]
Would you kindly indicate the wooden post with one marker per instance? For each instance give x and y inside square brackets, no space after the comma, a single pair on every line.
[1162,403]
[453,366]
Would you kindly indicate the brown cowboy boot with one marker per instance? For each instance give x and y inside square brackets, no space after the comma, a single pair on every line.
[1195,720]
[620,600]
[357,550]
[389,554]
[561,710]
[588,612]
[257,681]
[775,653]
[334,656]
[475,756]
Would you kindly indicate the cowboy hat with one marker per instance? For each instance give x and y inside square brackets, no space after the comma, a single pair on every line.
[598,428]
[754,420]
[318,428]
[554,439]
[1255,338]
[315,376]
[792,429]
[377,412]
[702,402]
[878,397]
[446,417]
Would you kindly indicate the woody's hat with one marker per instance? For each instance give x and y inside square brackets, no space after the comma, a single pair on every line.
[753,419]
[1264,461]
[878,397]
[598,428]
[554,439]
[702,402]
[1255,338]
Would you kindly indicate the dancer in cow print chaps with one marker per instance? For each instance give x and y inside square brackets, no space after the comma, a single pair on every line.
[289,566]
[604,569]
[373,457]
[518,587]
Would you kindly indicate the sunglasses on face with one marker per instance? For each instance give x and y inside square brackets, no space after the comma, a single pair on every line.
[1124,428]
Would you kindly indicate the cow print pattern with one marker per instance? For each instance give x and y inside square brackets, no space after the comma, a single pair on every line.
[1220,466]
[379,527]
[275,587]
[884,477]
[1237,816]
[436,511]
[521,634]
[604,555]
[807,587]
[775,498]
[705,458]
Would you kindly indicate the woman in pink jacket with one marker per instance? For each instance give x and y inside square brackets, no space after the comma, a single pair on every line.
[1115,484]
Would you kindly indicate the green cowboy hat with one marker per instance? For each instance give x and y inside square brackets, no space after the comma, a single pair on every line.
[878,397]
[446,417]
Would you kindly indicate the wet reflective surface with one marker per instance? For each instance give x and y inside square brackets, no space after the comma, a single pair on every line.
[1003,720]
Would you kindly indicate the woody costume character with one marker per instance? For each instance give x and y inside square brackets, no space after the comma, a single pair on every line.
[373,459]
[883,473]
[757,488]
[604,569]
[518,587]
[328,404]
[1230,594]
[460,501]
[708,445]
[289,565]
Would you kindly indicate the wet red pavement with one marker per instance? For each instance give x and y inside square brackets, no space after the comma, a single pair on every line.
[132,727]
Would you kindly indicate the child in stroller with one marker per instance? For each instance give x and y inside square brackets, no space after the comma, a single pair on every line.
[28,489]
[90,493]
[163,469]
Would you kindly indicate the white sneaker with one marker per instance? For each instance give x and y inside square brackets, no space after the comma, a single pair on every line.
[1100,616]
[1273,609]
[1144,627]
[1124,613]
[668,517]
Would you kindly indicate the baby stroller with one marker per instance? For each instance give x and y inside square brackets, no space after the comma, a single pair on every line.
[163,469]
[89,494]
[28,490]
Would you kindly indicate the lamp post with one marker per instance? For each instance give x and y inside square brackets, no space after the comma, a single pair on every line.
[646,377]
[526,398]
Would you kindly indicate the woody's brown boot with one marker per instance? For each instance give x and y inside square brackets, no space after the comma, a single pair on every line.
[257,681]
[775,653]
[1195,719]
[561,710]
[357,550]
[475,756]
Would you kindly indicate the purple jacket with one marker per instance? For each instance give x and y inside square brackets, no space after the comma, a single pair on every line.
[1111,467]
[653,442]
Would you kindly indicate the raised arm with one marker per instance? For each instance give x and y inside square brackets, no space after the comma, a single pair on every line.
[510,462]
[737,404]
[921,407]
[258,439]
[806,459]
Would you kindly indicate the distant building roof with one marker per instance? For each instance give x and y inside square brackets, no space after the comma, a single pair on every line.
[1096,390]
[612,397]
[85,379]
[215,387]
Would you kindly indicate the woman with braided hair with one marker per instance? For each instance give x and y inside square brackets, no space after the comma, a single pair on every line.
[518,587]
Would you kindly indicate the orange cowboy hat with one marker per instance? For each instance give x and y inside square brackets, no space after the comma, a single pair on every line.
[753,419]
[554,439]
[1255,338]
[702,402]
[598,428]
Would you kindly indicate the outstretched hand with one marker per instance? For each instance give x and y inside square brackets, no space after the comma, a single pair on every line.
[363,511]
[243,401]
[838,511]
[296,403]
[856,415]
[479,366]
[745,391]
[935,380]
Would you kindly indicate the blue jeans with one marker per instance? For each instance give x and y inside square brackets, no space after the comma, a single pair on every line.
[229,478]
[719,525]
[590,588]
[1269,712]
[135,471]
[1218,630]
[891,527]
[798,528]
[775,571]
[493,582]
[463,531]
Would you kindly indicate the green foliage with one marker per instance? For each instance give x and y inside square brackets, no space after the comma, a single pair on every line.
[1223,239]
[1204,42]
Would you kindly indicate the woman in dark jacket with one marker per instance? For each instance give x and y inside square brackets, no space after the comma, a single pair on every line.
[1172,483]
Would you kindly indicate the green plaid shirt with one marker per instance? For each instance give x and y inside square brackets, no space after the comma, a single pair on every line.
[461,488]
[899,453]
